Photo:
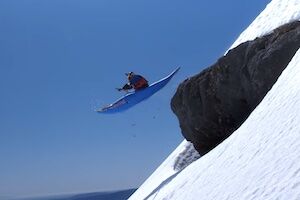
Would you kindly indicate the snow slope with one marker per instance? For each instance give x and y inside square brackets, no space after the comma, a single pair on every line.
[261,160]
[277,13]
[183,155]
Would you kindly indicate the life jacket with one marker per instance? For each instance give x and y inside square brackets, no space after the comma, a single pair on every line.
[138,82]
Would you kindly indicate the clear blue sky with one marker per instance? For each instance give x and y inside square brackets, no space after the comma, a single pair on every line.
[60,59]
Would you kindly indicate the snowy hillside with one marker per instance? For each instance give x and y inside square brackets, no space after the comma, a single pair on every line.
[277,13]
[183,155]
[261,159]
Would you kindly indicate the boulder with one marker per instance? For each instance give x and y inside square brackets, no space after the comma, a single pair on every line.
[211,105]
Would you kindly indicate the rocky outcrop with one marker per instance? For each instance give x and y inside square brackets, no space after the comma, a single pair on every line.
[214,103]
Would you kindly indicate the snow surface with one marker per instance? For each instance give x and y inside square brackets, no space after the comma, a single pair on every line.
[277,13]
[260,160]
[183,155]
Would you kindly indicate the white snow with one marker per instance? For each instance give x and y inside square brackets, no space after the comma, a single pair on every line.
[277,13]
[183,155]
[261,160]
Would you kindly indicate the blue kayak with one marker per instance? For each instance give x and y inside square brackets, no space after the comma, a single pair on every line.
[136,97]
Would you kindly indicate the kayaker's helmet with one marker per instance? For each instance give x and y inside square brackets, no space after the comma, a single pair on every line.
[129,74]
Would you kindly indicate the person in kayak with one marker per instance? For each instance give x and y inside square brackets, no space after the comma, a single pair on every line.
[135,81]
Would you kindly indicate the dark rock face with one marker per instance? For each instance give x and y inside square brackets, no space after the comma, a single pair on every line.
[214,103]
